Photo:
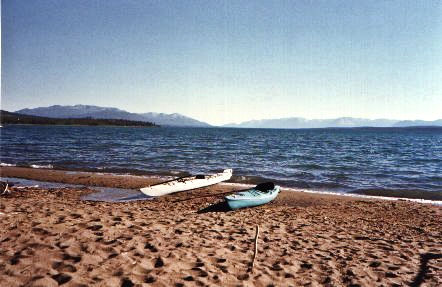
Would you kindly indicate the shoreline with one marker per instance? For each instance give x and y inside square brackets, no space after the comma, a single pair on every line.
[128,181]
[51,236]
[123,181]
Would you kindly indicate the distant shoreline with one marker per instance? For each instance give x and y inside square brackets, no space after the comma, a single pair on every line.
[241,128]
[80,125]
[337,128]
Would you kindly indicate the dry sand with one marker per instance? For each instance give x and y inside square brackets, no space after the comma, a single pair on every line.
[51,237]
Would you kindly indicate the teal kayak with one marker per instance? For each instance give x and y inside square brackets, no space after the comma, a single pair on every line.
[261,194]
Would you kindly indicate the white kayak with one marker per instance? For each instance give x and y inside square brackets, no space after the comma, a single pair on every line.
[186,183]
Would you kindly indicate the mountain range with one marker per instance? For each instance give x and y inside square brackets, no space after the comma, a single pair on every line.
[345,122]
[87,111]
[178,120]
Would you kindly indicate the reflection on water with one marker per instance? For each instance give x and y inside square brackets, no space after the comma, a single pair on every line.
[103,193]
[116,195]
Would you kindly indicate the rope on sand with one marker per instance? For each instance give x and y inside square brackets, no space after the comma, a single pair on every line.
[256,247]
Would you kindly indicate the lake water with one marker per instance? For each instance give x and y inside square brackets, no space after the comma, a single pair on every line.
[342,160]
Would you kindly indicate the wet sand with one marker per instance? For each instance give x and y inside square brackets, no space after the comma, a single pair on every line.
[51,237]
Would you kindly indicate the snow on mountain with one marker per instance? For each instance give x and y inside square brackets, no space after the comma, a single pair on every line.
[87,111]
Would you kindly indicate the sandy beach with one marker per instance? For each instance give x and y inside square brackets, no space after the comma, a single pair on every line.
[50,237]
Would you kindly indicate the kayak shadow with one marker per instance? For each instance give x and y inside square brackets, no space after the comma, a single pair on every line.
[217,207]
[200,196]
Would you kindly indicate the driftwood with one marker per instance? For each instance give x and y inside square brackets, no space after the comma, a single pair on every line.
[256,247]
[5,187]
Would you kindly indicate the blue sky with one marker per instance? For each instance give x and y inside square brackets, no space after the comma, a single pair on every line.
[226,61]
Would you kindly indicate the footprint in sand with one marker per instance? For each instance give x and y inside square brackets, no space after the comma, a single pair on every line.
[76,215]
[394,268]
[126,282]
[390,275]
[119,272]
[375,264]
[15,258]
[159,263]
[110,242]
[95,227]
[60,219]
[61,278]
[276,267]
[306,265]
[62,267]
[151,247]
[149,279]
[112,255]
[41,231]
[188,278]
[223,268]
[243,277]
[200,272]
[74,258]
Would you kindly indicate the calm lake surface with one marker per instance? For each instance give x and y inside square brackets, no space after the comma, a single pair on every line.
[320,159]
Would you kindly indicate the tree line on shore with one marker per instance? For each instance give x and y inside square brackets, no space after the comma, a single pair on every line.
[7,118]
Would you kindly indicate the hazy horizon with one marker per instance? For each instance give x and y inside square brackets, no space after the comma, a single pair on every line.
[226,62]
[246,121]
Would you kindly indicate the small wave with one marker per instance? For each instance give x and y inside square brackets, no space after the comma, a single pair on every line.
[401,193]
[307,166]
[41,166]
[7,164]
[418,200]
[248,179]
